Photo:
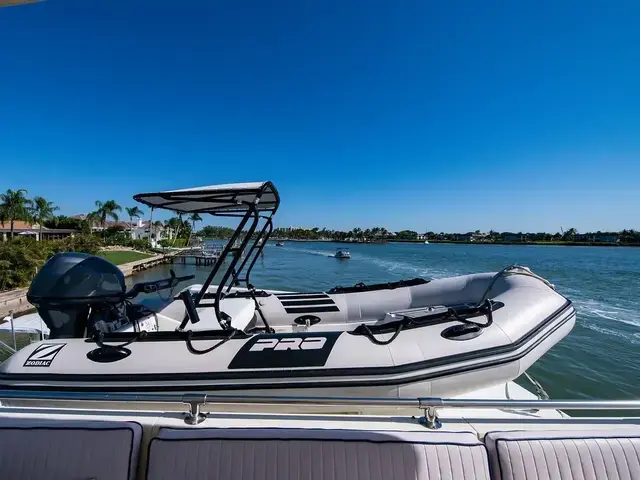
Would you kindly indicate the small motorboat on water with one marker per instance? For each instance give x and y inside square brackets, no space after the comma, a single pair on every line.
[342,253]
[279,244]
[412,337]
[426,242]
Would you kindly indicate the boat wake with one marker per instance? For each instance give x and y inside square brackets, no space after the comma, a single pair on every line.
[403,268]
[596,311]
[322,253]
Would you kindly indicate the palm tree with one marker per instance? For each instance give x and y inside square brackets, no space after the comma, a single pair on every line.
[158,225]
[42,210]
[106,210]
[173,224]
[133,212]
[194,217]
[14,206]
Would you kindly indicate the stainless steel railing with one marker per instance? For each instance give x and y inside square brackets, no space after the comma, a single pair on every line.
[429,405]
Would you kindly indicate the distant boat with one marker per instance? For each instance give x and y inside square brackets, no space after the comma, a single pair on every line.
[279,244]
[426,242]
[342,253]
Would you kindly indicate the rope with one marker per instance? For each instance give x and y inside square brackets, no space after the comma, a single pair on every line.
[512,270]
[99,339]
[195,351]
[370,336]
[486,308]
[540,391]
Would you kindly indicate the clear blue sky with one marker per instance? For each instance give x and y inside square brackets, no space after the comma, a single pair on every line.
[454,116]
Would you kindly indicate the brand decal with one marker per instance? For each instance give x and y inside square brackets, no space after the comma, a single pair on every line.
[287,350]
[293,343]
[43,355]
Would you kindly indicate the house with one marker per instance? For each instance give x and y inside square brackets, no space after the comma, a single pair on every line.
[480,237]
[597,237]
[22,228]
[145,229]
[464,237]
[514,237]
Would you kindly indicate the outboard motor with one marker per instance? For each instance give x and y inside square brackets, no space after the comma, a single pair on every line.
[76,292]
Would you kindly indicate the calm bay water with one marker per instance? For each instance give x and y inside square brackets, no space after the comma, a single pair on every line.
[599,359]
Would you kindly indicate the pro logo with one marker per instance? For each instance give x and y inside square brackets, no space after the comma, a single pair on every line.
[288,343]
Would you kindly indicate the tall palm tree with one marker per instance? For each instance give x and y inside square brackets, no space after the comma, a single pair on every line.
[133,212]
[173,224]
[106,210]
[194,217]
[14,206]
[42,210]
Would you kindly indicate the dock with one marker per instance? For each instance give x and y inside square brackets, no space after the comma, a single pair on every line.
[202,257]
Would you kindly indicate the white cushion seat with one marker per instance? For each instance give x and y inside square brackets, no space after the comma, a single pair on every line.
[612,454]
[287,454]
[48,449]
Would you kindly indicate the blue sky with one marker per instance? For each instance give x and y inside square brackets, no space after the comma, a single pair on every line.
[430,115]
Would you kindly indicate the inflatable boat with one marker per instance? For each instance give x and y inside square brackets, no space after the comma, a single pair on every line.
[410,338]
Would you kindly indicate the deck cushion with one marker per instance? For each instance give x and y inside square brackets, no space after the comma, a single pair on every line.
[49,449]
[576,455]
[287,454]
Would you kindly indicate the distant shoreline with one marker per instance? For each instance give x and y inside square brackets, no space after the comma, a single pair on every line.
[453,242]
[456,242]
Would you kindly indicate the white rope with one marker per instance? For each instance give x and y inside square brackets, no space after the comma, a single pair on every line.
[513,270]
[540,391]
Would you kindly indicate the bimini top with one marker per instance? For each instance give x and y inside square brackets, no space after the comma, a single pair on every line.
[216,199]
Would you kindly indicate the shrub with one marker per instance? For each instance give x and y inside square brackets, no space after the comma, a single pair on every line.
[176,242]
[20,258]
[141,244]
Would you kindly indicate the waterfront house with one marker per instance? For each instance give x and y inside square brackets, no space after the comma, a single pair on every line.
[598,237]
[28,229]
[145,230]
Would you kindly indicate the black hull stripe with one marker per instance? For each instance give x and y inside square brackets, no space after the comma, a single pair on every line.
[303,296]
[293,303]
[317,372]
[318,309]
[304,384]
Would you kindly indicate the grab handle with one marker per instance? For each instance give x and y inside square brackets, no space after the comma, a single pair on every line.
[192,313]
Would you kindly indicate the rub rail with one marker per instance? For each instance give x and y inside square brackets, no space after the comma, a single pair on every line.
[429,405]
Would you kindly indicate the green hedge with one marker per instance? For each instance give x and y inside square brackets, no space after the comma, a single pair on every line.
[20,258]
[176,242]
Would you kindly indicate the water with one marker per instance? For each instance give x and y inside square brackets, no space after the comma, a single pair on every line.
[599,359]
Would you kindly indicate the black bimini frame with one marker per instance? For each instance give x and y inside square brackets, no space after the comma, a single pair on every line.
[249,202]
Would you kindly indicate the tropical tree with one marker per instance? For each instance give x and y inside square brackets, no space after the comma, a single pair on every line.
[570,234]
[194,217]
[173,224]
[105,210]
[133,212]
[14,206]
[42,211]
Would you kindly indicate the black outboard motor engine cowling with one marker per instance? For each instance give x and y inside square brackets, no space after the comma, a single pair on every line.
[72,286]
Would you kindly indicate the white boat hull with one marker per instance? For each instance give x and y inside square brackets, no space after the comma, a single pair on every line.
[330,357]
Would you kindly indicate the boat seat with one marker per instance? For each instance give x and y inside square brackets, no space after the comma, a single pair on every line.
[288,454]
[577,455]
[62,449]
